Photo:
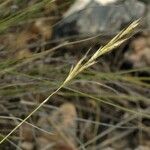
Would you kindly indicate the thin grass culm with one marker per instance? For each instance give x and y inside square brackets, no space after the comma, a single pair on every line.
[84,64]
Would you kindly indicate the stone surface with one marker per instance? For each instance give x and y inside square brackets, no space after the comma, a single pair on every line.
[94,17]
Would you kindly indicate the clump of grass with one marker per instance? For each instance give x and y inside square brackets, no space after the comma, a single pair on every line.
[84,64]
[21,15]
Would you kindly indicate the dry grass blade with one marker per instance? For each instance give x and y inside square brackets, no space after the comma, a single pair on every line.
[18,16]
[81,65]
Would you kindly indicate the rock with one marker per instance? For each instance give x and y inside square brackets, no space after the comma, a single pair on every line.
[141,147]
[94,16]
[79,5]
[27,146]
[139,55]
[62,125]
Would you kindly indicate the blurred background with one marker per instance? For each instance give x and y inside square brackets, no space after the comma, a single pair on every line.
[106,107]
